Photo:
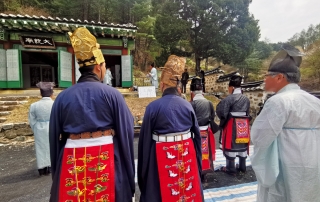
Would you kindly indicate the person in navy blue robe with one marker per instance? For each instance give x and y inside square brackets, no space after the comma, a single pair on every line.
[169,114]
[90,106]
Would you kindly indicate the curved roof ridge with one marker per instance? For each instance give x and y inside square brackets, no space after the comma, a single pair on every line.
[65,20]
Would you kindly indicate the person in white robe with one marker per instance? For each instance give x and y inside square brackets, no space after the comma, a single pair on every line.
[153,76]
[286,136]
[39,117]
[108,77]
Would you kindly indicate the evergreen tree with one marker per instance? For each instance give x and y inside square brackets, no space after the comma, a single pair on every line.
[221,29]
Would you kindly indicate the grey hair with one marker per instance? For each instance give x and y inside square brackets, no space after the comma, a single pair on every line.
[291,77]
[197,92]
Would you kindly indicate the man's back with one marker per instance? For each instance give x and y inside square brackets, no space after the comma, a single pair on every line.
[203,111]
[42,108]
[291,136]
[303,109]
[168,114]
[232,103]
[172,113]
[92,103]
[90,107]
[299,149]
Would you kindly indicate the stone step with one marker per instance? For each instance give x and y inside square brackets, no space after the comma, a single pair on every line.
[5,113]
[26,92]
[14,98]
[35,96]
[7,108]
[12,102]
[130,94]
[123,90]
[2,120]
[136,94]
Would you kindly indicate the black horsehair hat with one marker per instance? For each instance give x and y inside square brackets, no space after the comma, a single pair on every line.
[235,80]
[196,84]
[287,60]
[46,88]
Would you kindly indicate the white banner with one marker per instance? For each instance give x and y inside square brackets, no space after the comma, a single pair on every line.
[3,65]
[13,65]
[126,68]
[65,66]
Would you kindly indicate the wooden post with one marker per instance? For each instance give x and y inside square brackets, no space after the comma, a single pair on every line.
[124,51]
[7,45]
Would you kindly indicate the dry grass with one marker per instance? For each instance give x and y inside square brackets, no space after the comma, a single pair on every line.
[136,105]
[20,114]
[213,99]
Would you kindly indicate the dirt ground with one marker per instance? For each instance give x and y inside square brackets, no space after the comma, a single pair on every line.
[136,105]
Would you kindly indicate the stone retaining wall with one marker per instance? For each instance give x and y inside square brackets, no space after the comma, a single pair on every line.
[212,86]
[255,98]
[15,132]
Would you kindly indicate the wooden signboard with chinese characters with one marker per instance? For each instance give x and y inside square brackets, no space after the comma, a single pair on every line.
[37,42]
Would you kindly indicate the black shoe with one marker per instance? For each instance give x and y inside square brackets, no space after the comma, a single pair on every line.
[242,165]
[47,170]
[42,171]
[203,178]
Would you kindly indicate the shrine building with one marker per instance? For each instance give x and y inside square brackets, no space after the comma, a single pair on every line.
[36,48]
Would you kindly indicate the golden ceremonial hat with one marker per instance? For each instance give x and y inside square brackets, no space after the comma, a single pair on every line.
[173,69]
[85,47]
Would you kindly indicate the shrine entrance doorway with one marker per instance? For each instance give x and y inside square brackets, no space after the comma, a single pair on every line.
[39,66]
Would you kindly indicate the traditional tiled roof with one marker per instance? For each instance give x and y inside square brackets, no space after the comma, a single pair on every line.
[57,25]
[213,71]
[252,86]
[209,72]
[225,77]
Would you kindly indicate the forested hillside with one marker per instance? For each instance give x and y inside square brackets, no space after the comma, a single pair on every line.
[209,33]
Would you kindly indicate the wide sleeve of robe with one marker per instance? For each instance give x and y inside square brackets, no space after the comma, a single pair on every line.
[56,145]
[223,109]
[123,140]
[213,125]
[264,132]
[144,147]
[32,117]
[196,140]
